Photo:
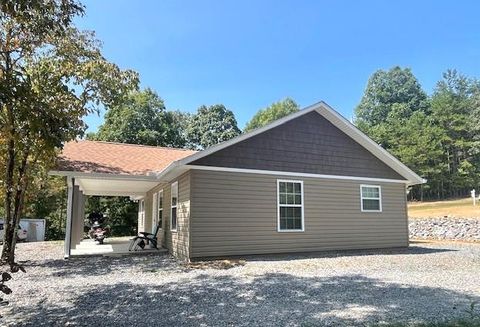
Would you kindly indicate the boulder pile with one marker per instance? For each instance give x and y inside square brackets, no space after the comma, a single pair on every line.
[445,228]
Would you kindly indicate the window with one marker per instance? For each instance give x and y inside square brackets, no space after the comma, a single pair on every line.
[371,198]
[290,206]
[160,209]
[174,198]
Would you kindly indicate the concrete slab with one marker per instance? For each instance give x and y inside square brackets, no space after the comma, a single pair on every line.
[112,246]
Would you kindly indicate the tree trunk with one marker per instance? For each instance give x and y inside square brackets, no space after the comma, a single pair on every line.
[10,231]
[18,203]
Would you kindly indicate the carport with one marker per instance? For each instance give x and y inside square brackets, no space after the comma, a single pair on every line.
[80,186]
[94,168]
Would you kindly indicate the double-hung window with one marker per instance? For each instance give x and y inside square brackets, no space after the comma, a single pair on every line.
[160,209]
[174,202]
[290,206]
[371,198]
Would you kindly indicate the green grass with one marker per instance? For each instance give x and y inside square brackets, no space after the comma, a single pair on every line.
[457,208]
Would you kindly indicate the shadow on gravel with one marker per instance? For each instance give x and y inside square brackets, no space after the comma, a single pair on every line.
[412,250]
[267,300]
[99,265]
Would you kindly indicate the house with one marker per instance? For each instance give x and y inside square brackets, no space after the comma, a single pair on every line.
[310,181]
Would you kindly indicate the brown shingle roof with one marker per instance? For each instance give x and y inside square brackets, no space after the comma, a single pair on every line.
[116,158]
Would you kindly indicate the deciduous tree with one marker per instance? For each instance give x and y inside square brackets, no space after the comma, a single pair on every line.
[389,96]
[211,125]
[51,75]
[273,112]
[141,119]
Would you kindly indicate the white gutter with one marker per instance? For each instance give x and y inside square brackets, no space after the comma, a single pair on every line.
[151,177]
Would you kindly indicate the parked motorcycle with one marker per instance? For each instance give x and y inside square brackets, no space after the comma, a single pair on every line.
[98,233]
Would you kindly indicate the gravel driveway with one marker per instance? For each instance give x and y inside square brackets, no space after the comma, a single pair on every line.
[426,282]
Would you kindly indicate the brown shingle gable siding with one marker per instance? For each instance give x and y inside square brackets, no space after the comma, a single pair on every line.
[116,158]
[307,144]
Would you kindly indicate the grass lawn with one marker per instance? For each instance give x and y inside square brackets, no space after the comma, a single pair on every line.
[458,208]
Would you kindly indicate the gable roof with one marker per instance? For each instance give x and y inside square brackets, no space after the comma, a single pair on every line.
[331,115]
[109,158]
[100,157]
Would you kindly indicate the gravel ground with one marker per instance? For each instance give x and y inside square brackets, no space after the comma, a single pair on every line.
[428,282]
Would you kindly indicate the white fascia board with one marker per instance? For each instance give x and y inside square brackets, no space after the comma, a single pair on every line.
[78,182]
[106,176]
[348,128]
[174,170]
[296,174]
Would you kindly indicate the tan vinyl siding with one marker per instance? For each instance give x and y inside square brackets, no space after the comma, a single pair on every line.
[176,242]
[236,214]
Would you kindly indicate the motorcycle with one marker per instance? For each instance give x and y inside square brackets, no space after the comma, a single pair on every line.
[98,233]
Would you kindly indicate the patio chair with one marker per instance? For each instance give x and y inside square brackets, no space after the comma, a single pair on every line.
[142,239]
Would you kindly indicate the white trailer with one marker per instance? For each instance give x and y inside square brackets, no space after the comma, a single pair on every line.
[35,229]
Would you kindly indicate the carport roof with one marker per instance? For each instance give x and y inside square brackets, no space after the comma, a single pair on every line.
[100,157]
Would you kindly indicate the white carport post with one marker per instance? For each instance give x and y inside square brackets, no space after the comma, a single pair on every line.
[75,215]
[78,217]
[68,228]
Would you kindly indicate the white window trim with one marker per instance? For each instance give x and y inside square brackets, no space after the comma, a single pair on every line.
[290,205]
[172,186]
[160,195]
[370,198]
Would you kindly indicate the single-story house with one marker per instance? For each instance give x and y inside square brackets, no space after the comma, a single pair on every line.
[310,181]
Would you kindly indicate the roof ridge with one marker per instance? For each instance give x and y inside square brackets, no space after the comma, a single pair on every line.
[137,145]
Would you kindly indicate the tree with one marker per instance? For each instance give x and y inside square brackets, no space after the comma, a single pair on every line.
[141,119]
[390,95]
[51,76]
[179,122]
[47,198]
[454,107]
[394,111]
[438,137]
[121,214]
[273,112]
[416,142]
[211,125]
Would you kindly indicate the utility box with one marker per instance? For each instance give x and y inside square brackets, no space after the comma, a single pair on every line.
[35,229]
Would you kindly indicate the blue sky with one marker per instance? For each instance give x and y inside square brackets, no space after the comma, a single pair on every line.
[247,54]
